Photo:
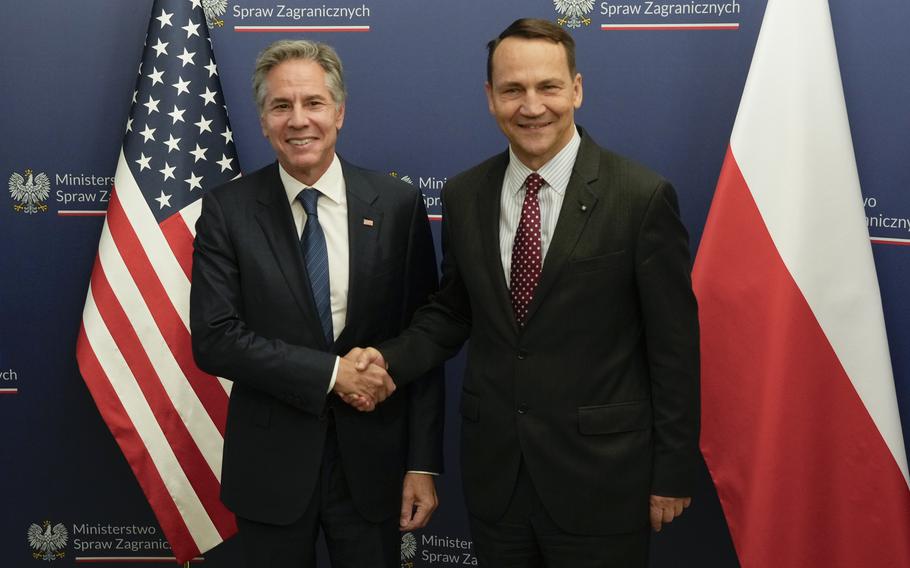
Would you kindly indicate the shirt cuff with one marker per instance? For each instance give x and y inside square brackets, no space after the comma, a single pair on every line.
[433,473]
[334,375]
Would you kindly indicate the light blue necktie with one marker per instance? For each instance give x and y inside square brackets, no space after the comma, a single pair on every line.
[316,255]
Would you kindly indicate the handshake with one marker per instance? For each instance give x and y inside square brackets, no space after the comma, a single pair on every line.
[362,380]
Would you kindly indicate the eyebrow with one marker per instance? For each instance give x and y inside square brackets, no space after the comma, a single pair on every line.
[282,99]
[542,82]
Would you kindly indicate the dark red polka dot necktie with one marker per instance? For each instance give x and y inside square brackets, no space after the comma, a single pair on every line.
[526,252]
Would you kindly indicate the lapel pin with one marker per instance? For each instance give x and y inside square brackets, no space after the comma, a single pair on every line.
[584,207]
[367,222]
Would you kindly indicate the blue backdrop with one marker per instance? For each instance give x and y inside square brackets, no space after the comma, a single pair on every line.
[667,98]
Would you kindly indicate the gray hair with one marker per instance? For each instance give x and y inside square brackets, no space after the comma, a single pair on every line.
[286,50]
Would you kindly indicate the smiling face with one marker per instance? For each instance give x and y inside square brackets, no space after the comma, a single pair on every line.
[300,118]
[533,96]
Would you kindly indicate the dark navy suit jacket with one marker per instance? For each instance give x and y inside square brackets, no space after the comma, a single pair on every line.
[254,321]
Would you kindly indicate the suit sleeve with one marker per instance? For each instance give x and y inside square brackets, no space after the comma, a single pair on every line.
[670,315]
[224,345]
[426,397]
[440,328]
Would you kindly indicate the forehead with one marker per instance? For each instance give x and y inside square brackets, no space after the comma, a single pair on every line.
[517,57]
[295,77]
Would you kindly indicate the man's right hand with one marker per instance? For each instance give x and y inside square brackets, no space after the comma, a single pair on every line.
[366,356]
[362,387]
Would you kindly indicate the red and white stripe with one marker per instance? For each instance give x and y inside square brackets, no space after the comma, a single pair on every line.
[132,560]
[890,241]
[703,26]
[81,213]
[800,425]
[134,352]
[301,29]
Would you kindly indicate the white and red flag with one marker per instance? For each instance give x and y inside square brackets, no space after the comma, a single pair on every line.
[800,424]
[134,344]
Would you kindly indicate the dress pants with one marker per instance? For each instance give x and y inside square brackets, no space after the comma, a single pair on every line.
[527,537]
[352,541]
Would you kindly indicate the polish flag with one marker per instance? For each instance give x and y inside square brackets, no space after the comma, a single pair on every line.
[800,425]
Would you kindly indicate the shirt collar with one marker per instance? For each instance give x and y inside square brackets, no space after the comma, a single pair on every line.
[556,172]
[331,184]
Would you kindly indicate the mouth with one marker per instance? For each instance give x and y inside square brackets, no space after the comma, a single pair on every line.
[535,125]
[300,141]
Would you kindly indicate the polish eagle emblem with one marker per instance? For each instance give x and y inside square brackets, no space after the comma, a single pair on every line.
[408,549]
[406,179]
[213,9]
[30,191]
[48,541]
[574,12]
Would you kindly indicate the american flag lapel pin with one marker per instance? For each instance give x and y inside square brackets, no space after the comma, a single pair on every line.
[367,222]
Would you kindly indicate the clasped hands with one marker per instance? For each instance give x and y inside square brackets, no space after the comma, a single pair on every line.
[362,380]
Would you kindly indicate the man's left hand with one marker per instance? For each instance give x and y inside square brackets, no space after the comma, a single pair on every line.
[665,509]
[418,501]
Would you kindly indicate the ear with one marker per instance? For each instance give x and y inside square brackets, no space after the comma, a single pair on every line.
[262,125]
[577,91]
[339,118]
[488,88]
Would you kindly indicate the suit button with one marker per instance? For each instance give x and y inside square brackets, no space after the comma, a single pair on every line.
[522,408]
[522,355]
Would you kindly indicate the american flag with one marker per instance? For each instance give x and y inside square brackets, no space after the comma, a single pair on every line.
[134,343]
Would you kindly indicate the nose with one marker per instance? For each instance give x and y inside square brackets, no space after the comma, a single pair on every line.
[299,117]
[532,105]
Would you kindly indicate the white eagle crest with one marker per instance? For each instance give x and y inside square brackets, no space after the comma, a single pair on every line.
[47,542]
[408,546]
[30,191]
[213,9]
[574,12]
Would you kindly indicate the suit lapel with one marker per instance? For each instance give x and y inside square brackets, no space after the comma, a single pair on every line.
[488,211]
[277,223]
[364,224]
[577,207]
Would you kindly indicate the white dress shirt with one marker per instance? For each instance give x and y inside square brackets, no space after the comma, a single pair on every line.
[333,218]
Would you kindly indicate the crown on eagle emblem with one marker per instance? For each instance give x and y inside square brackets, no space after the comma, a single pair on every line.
[574,12]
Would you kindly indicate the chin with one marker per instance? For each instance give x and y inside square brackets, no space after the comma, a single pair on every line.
[536,151]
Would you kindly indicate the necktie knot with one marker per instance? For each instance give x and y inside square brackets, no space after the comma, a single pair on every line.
[534,182]
[308,198]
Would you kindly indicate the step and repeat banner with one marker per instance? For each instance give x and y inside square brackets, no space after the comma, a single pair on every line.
[662,82]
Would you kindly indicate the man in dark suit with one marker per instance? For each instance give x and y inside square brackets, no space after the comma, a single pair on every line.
[293,264]
[567,268]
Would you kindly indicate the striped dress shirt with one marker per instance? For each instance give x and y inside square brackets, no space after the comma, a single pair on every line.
[556,174]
